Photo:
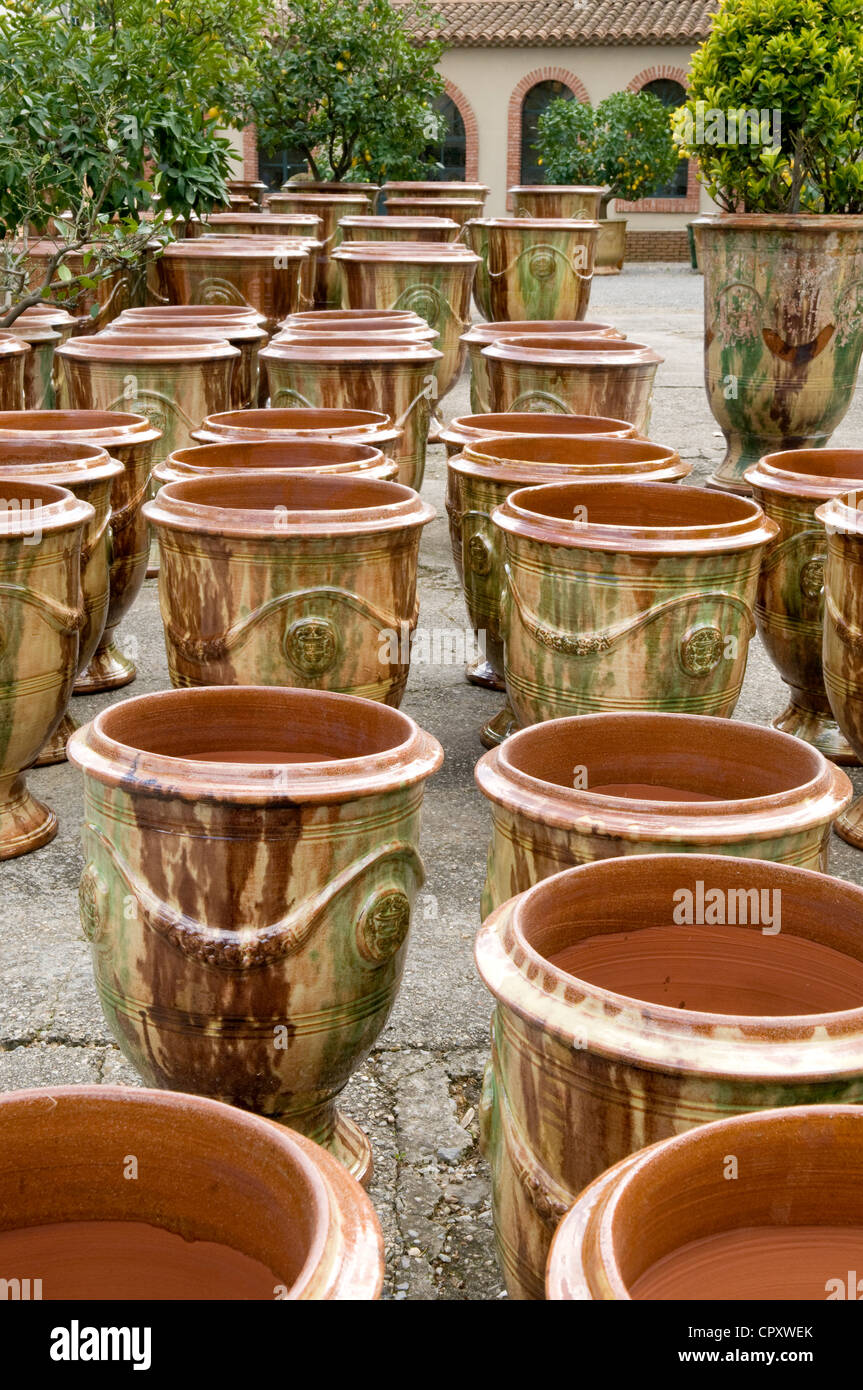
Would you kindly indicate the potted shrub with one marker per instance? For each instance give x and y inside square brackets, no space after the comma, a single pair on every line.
[772,116]
[624,144]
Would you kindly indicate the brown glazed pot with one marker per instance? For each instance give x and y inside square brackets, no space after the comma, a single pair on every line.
[482,478]
[624,1016]
[88,473]
[285,456]
[300,581]
[370,427]
[536,268]
[380,330]
[327,319]
[790,608]
[132,441]
[397,379]
[225,1206]
[175,384]
[14,358]
[297,224]
[41,618]
[602,785]
[331,208]
[667,1223]
[458,210]
[266,276]
[843,633]
[581,375]
[43,328]
[248,340]
[371,191]
[280,250]
[253,189]
[481,335]
[553,200]
[625,597]
[463,430]
[272,885]
[399,229]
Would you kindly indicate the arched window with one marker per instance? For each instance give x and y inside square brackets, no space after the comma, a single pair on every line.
[276,169]
[671,94]
[535,102]
[450,150]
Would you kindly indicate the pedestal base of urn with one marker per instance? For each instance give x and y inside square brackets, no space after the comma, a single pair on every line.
[499,728]
[339,1135]
[850,824]
[481,672]
[25,823]
[54,750]
[813,723]
[108,669]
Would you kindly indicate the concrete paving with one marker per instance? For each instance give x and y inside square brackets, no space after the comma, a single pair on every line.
[417,1096]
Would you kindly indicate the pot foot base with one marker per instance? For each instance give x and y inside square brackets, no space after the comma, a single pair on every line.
[25,823]
[108,669]
[55,749]
[499,728]
[339,1135]
[818,728]
[481,672]
[850,824]
[738,486]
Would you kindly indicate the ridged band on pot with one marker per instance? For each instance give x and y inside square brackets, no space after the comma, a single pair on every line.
[303,581]
[553,200]
[621,597]
[399,228]
[668,1224]
[331,208]
[131,440]
[174,384]
[42,328]
[14,358]
[843,633]
[458,210]
[348,426]
[41,619]
[397,379]
[268,841]
[610,246]
[576,375]
[790,607]
[290,456]
[267,276]
[432,279]
[537,267]
[469,429]
[481,335]
[614,1028]
[219,1189]
[247,340]
[782,327]
[434,188]
[482,478]
[573,790]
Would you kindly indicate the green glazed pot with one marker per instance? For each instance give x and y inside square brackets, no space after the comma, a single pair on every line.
[459,210]
[43,329]
[843,633]
[269,276]
[578,375]
[482,335]
[537,268]
[15,357]
[251,867]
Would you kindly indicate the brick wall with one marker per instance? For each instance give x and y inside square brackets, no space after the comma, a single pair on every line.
[671,245]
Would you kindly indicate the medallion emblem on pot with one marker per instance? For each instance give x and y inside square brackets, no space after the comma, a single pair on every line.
[91,895]
[384,925]
[701,650]
[425,301]
[542,262]
[479,554]
[540,402]
[812,577]
[218,291]
[312,645]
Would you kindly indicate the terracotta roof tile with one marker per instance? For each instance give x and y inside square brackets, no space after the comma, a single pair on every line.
[581,23]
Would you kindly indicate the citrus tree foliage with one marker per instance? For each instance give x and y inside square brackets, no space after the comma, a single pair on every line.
[624,143]
[804,60]
[343,82]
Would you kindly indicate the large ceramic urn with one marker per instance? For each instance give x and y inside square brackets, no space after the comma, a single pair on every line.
[398,228]
[132,441]
[482,335]
[536,267]
[289,456]
[247,338]
[306,581]
[783,331]
[463,430]
[252,271]
[204,1202]
[554,200]
[581,375]
[43,328]
[843,633]
[331,208]
[638,997]
[41,618]
[790,608]
[458,209]
[14,358]
[251,868]
[620,596]
[298,254]
[370,427]
[602,785]
[358,373]
[174,383]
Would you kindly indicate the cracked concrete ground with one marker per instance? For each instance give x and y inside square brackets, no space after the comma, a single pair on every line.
[417,1096]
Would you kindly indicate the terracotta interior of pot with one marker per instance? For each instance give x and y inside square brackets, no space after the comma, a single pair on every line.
[215,1210]
[523,422]
[821,463]
[180,311]
[43,421]
[663,757]
[789,1221]
[570,448]
[299,419]
[635,506]
[645,930]
[47,454]
[290,453]
[255,725]
[19,494]
[576,342]
[347,492]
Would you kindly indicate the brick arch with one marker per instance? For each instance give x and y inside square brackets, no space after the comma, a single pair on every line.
[471,130]
[664,70]
[692,201]
[516,101]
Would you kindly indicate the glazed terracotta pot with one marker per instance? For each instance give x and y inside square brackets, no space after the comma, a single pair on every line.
[399,229]
[668,1224]
[88,473]
[253,189]
[458,210]
[610,246]
[482,335]
[537,268]
[301,581]
[41,618]
[252,271]
[380,330]
[232,1207]
[783,332]
[331,208]
[15,356]
[641,996]
[280,251]
[270,224]
[289,456]
[238,202]
[790,608]
[602,785]
[433,188]
[272,884]
[579,375]
[175,384]
[261,426]
[213,315]
[463,430]
[92,308]
[248,341]
[358,187]
[327,319]
[482,478]
[624,597]
[843,626]
[132,441]
[558,200]
[42,328]
[357,373]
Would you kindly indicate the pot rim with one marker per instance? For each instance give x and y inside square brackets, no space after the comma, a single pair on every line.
[189,351]
[495,331]
[431,200]
[308,317]
[204,459]
[259,249]
[499,452]
[525,473]
[248,219]
[59,508]
[448,185]
[129,429]
[461,430]
[318,198]
[405,252]
[297,332]
[775,473]
[592,353]
[841,515]
[657,1037]
[197,332]
[398,220]
[560,224]
[343,350]
[413,756]
[377,426]
[53,312]
[747,529]
[10,346]
[754,221]
[558,188]
[66,464]
[167,314]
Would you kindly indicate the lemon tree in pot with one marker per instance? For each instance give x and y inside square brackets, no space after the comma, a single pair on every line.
[772,117]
